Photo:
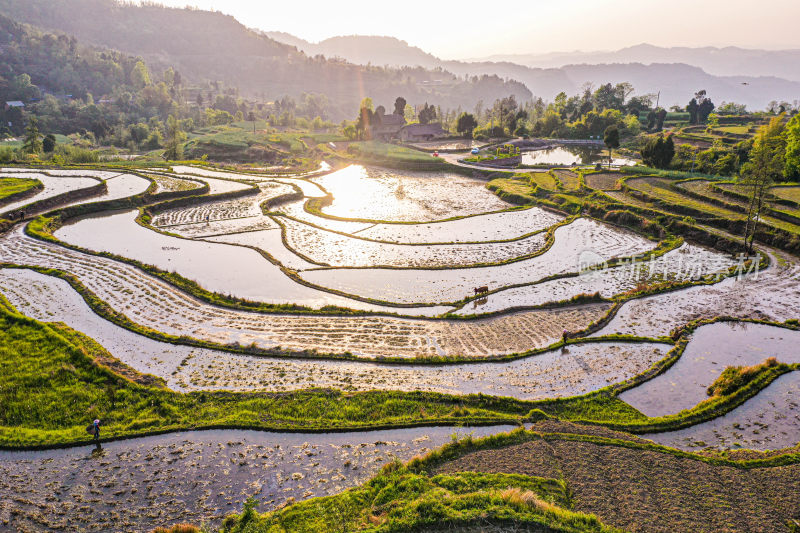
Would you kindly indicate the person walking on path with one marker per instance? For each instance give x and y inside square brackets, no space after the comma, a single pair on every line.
[96,428]
[564,336]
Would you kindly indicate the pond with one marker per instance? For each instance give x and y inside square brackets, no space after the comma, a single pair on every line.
[571,155]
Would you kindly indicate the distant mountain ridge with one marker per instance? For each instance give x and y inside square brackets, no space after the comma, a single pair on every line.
[675,80]
[727,61]
[207,45]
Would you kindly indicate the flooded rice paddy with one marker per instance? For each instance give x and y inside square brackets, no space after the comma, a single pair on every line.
[558,373]
[153,303]
[501,226]
[376,194]
[685,264]
[53,186]
[335,249]
[772,295]
[584,242]
[196,477]
[769,421]
[711,350]
[232,247]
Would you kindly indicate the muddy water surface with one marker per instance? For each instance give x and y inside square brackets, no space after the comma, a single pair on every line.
[195,477]
[770,421]
[711,349]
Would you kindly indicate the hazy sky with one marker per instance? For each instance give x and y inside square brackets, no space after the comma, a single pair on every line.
[456,30]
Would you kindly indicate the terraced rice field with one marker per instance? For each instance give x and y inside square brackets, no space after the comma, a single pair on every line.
[167,183]
[233,270]
[225,468]
[770,295]
[685,264]
[569,179]
[545,180]
[501,226]
[713,348]
[582,239]
[791,193]
[660,188]
[769,421]
[374,194]
[237,208]
[153,303]
[53,186]
[557,373]
[335,249]
[297,256]
[647,490]
[704,188]
[604,181]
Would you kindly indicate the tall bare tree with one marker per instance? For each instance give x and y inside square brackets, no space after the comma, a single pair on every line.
[760,172]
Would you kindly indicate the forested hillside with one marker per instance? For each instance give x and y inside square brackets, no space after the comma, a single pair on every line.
[206,45]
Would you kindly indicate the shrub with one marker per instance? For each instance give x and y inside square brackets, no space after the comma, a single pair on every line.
[736,377]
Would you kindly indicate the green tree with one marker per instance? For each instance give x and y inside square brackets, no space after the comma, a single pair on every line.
[400,106]
[466,124]
[365,119]
[609,97]
[140,76]
[22,88]
[661,116]
[49,143]
[692,109]
[32,143]
[427,114]
[658,151]
[713,122]
[173,148]
[154,140]
[704,105]
[611,140]
[766,164]
[791,170]
[651,120]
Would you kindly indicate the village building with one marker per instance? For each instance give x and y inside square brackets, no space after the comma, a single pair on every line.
[422,132]
[386,127]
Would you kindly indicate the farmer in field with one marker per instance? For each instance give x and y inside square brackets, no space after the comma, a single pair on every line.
[95,429]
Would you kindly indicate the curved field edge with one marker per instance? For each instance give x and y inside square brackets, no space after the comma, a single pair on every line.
[15,189]
[396,498]
[62,378]
[399,499]
[43,227]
